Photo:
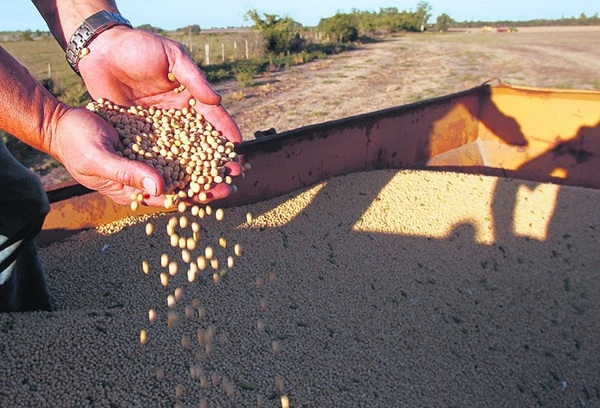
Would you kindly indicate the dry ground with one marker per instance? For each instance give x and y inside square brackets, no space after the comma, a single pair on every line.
[409,68]
[414,67]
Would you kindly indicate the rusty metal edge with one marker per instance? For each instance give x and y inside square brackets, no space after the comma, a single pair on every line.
[266,144]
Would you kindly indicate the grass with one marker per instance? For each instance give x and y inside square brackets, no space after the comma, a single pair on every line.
[43,57]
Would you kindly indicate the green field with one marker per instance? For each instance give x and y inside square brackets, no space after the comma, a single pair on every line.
[43,57]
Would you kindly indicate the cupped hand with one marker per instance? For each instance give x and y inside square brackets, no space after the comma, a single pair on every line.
[131,67]
[86,145]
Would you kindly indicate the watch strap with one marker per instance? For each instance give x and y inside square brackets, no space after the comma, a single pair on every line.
[90,28]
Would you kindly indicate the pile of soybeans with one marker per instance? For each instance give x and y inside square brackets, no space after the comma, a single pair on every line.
[180,144]
[380,289]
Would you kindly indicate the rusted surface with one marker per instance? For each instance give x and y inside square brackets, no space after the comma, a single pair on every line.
[534,134]
[68,216]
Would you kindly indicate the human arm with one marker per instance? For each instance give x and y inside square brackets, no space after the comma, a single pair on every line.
[131,67]
[79,139]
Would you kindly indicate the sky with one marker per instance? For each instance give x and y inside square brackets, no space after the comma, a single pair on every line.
[173,14]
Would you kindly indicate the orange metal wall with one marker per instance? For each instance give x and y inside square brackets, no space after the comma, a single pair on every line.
[536,134]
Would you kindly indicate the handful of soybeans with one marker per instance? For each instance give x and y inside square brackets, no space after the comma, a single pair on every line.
[180,144]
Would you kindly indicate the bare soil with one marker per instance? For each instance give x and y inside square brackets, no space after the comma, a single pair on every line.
[413,67]
[409,68]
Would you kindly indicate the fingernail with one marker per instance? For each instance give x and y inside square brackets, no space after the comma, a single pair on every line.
[150,186]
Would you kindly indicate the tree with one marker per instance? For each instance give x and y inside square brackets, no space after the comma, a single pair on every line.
[422,15]
[26,35]
[193,29]
[282,34]
[443,22]
[341,27]
[151,28]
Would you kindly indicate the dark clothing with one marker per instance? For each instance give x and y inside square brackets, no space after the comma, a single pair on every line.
[23,208]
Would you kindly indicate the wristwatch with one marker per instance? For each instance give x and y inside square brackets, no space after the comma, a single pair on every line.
[90,28]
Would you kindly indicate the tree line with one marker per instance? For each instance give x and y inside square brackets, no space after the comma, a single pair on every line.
[582,20]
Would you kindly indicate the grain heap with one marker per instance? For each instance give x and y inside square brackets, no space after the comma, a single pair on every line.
[378,289]
[180,144]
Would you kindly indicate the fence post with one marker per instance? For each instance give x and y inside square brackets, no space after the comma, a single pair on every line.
[207,53]
[223,52]
[247,51]
[235,50]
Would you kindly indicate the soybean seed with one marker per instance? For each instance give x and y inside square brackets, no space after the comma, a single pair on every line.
[201,262]
[186,256]
[171,301]
[143,337]
[173,268]
[191,244]
[183,222]
[164,260]
[189,312]
[172,319]
[178,294]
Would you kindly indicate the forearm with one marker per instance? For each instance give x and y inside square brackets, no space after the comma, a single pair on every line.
[64,16]
[29,112]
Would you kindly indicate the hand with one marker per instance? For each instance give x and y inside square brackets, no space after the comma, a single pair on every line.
[85,143]
[131,67]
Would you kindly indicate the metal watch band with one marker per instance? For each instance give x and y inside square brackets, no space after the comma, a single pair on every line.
[91,27]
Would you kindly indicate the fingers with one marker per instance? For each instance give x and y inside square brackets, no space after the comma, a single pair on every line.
[220,118]
[234,169]
[188,74]
[208,100]
[124,176]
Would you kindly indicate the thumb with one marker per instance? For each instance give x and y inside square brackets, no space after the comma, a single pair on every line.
[138,175]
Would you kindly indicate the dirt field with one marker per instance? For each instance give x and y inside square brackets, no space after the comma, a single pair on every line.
[414,67]
[409,68]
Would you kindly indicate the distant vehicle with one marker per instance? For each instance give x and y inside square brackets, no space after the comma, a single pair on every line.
[506,30]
